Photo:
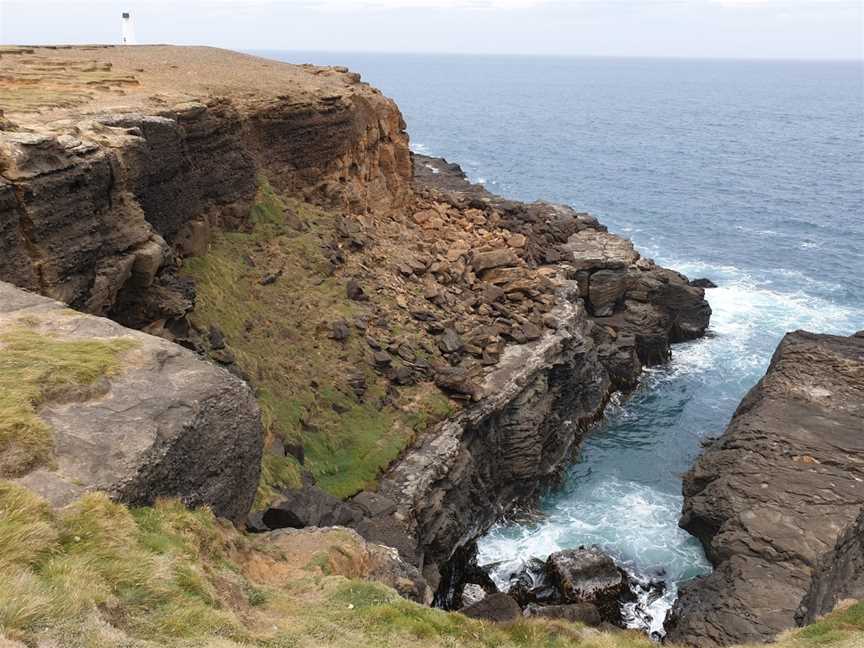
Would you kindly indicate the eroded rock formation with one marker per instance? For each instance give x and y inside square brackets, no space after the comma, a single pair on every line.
[771,496]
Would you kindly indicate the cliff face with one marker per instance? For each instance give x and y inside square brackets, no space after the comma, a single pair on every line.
[380,315]
[97,198]
[775,492]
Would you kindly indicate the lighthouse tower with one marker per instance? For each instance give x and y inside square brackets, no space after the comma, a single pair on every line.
[127,32]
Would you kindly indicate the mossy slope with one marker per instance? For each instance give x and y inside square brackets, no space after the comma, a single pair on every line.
[279,333]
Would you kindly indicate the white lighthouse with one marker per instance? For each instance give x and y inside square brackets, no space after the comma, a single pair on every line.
[127,31]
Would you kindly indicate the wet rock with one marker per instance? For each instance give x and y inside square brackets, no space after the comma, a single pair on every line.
[702,283]
[471,594]
[498,607]
[586,613]
[588,576]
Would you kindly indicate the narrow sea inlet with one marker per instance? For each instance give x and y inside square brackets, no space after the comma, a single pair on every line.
[745,172]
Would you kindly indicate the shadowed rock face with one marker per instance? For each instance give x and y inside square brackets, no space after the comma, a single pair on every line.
[775,492]
[167,425]
[838,577]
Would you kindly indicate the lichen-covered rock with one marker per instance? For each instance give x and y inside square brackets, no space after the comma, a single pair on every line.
[167,424]
[774,492]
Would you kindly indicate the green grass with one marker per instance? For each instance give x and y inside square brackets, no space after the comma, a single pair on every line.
[279,335]
[97,574]
[34,369]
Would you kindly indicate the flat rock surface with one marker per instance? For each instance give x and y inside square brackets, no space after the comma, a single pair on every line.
[166,425]
[772,495]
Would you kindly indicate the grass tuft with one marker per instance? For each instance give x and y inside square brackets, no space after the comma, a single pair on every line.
[34,369]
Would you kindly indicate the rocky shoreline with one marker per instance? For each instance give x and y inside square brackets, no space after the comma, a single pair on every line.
[770,499]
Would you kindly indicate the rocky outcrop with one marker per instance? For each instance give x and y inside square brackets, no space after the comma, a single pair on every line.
[838,577]
[98,200]
[165,424]
[588,576]
[774,493]
[533,402]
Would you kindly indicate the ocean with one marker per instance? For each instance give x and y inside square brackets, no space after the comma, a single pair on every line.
[750,173]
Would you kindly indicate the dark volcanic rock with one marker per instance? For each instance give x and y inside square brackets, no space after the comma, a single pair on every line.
[839,575]
[774,493]
[497,607]
[588,576]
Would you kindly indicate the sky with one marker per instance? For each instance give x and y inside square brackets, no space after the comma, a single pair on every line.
[785,29]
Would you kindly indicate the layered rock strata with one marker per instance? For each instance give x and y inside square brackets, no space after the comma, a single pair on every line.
[774,493]
[105,186]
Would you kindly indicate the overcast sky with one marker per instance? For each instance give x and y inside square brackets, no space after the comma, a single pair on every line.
[806,29]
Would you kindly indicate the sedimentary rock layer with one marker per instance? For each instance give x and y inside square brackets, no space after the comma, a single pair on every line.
[772,495]
[101,190]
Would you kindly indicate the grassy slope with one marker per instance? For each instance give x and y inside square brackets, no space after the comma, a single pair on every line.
[97,574]
[279,334]
[35,368]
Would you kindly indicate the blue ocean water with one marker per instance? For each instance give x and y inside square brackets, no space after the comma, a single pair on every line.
[750,173]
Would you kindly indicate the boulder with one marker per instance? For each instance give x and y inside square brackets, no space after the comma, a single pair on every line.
[587,575]
[774,493]
[165,424]
[309,506]
[702,282]
[498,607]
[494,259]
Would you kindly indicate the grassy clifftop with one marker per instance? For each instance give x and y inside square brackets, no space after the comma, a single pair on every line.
[98,574]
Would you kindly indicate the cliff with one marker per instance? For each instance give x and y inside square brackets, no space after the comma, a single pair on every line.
[771,497]
[419,348]
[156,144]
